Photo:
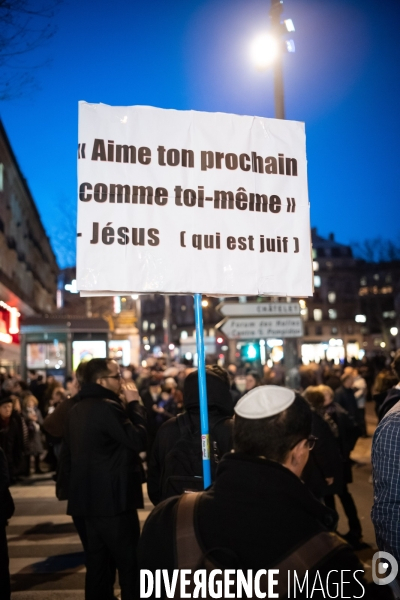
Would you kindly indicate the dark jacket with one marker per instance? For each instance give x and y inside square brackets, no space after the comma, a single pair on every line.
[324,462]
[220,411]
[6,501]
[256,513]
[12,442]
[348,434]
[347,400]
[100,454]
[54,423]
[393,396]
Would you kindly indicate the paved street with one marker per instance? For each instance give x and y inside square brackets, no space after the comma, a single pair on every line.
[46,558]
[46,555]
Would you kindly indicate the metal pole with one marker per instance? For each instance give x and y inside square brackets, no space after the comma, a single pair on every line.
[290,349]
[138,307]
[205,437]
[278,89]
[275,16]
[166,323]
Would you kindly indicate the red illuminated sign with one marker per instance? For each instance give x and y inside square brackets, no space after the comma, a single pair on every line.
[9,324]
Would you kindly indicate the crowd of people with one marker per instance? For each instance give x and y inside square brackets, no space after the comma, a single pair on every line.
[108,429]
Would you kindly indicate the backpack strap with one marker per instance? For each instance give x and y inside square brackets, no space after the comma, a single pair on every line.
[307,556]
[188,551]
[189,554]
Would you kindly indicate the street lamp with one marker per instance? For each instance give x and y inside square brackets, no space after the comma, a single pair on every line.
[268,49]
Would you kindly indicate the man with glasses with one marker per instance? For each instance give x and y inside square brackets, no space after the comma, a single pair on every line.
[258,514]
[104,435]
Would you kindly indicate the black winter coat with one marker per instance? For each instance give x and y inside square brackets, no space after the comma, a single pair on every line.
[12,442]
[100,459]
[349,432]
[325,461]
[347,400]
[6,501]
[392,398]
[258,512]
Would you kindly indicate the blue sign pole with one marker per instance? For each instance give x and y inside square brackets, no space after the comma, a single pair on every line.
[205,436]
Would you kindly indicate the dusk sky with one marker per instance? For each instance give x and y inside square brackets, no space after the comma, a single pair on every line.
[343,82]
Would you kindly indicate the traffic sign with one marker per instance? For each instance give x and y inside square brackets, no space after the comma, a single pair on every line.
[262,328]
[261,309]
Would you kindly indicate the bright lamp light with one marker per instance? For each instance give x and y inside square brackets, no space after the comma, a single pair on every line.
[264,50]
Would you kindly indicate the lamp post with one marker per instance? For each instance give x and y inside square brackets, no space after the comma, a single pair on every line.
[268,50]
[275,14]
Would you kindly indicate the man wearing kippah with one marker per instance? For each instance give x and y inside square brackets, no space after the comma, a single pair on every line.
[258,514]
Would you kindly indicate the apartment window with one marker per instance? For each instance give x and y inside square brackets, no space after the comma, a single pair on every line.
[334,330]
[363,280]
[332,313]
[145,325]
[331,297]
[317,314]
[315,265]
[317,281]
[318,330]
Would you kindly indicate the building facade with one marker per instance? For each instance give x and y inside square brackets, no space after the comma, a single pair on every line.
[28,267]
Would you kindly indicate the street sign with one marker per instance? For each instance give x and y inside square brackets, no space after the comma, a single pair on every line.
[262,328]
[259,309]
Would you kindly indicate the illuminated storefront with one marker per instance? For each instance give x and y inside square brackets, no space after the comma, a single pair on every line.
[336,350]
[56,346]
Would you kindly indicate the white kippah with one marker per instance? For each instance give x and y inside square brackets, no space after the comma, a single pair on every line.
[264,401]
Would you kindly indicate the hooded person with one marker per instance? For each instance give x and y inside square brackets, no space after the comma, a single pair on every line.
[175,464]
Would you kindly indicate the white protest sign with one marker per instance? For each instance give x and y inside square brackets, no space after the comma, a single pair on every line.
[191,202]
[270,327]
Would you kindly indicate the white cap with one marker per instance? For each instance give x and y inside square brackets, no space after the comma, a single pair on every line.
[264,401]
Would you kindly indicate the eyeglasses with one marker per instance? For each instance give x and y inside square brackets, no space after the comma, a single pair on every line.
[117,376]
[310,442]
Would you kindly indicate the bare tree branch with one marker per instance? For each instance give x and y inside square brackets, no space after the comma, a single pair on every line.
[25,25]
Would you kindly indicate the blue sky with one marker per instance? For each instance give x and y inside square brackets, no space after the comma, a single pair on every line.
[343,81]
